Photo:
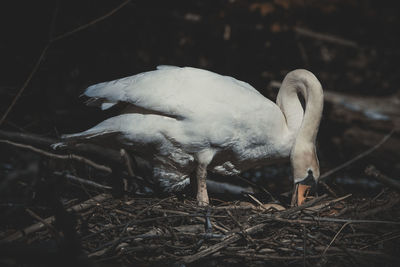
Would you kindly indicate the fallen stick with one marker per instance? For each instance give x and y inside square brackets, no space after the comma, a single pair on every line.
[52,230]
[338,220]
[45,142]
[378,209]
[377,175]
[225,242]
[336,252]
[327,203]
[281,258]
[352,250]
[358,157]
[40,225]
[57,156]
[83,181]
[301,207]
[325,37]
[25,138]
[334,238]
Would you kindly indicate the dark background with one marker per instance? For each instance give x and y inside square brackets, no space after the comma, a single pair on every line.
[144,34]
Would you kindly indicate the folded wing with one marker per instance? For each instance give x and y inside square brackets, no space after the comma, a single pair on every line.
[175,92]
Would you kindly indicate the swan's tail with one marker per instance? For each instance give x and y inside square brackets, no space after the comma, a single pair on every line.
[109,127]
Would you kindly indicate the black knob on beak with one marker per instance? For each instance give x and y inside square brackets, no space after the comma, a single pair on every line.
[304,188]
[311,182]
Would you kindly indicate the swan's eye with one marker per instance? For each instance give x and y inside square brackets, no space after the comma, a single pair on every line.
[310,172]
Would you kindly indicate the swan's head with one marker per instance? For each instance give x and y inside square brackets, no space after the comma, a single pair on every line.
[305,170]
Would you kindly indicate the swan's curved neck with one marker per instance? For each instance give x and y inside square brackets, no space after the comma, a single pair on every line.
[303,125]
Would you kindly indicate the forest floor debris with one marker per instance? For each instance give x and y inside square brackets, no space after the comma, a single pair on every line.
[151,231]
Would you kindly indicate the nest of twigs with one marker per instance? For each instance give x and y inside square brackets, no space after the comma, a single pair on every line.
[340,231]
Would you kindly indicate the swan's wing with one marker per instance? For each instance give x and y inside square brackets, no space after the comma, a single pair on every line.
[166,67]
[174,91]
[228,78]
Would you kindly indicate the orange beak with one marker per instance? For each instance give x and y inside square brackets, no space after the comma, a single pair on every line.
[300,193]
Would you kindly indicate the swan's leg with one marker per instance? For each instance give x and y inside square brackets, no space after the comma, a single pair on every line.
[201,175]
[204,158]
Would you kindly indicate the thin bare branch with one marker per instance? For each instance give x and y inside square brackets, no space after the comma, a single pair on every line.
[334,238]
[358,157]
[325,37]
[91,23]
[377,175]
[57,156]
[83,181]
[47,46]
[40,225]
[27,81]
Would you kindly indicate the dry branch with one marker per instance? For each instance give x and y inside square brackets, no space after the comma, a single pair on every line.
[358,157]
[225,242]
[57,156]
[377,175]
[83,181]
[47,46]
[105,154]
[379,113]
[325,37]
[52,230]
[131,229]
[21,90]
[40,225]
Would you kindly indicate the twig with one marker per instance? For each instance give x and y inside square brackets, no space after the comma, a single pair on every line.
[304,245]
[328,203]
[358,157]
[49,227]
[91,23]
[255,185]
[281,258]
[47,46]
[290,221]
[318,220]
[154,205]
[57,156]
[353,251]
[334,238]
[154,219]
[40,225]
[258,202]
[328,188]
[21,90]
[83,181]
[325,37]
[247,237]
[337,252]
[369,212]
[226,241]
[35,140]
[377,175]
[380,241]
[337,220]
[302,207]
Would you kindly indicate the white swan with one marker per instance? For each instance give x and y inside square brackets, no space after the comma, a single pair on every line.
[187,119]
